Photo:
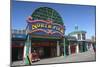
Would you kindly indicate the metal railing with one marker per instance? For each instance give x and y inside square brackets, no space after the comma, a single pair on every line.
[18,31]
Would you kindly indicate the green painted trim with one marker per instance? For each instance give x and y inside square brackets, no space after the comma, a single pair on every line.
[84,46]
[27,61]
[45,13]
[76,32]
[28,45]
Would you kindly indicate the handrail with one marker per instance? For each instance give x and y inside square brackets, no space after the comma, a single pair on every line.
[14,31]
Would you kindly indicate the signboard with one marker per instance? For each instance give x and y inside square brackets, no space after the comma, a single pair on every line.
[46,26]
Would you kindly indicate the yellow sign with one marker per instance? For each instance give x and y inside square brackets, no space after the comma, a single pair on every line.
[47,26]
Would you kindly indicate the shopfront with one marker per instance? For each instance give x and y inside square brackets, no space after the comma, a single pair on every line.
[18,43]
[45,38]
[45,34]
[46,48]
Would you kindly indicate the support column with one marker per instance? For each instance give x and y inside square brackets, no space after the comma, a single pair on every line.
[29,46]
[64,47]
[77,48]
[69,50]
[87,46]
[24,51]
[91,47]
[27,50]
[58,49]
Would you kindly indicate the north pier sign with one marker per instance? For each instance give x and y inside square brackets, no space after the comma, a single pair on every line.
[46,26]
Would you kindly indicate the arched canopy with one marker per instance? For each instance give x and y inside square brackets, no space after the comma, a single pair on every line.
[46,13]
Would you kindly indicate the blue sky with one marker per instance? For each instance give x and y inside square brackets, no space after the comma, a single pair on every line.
[83,16]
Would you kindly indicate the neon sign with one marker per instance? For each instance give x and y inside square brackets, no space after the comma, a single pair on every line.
[46,26]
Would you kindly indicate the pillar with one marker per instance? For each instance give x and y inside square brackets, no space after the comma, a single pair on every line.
[69,50]
[24,52]
[58,49]
[77,48]
[91,47]
[64,47]
[29,46]
[27,50]
[87,46]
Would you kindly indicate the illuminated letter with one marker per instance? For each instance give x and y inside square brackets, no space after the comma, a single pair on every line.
[34,26]
[62,31]
[49,26]
[38,25]
[42,25]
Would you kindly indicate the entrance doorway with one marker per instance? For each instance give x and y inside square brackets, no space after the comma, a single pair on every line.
[43,51]
[73,49]
[47,51]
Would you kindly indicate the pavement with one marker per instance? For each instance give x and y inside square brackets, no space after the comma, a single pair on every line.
[79,57]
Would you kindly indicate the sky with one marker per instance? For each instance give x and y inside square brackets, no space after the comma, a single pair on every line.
[81,15]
